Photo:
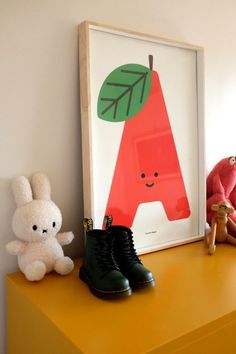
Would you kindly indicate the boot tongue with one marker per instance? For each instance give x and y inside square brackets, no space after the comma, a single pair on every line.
[119,229]
[96,233]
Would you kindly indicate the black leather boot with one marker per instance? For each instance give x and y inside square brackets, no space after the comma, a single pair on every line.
[127,259]
[99,269]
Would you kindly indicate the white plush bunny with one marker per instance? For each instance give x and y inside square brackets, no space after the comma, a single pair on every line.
[36,223]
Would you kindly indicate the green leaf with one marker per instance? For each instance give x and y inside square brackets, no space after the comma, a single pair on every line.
[124,92]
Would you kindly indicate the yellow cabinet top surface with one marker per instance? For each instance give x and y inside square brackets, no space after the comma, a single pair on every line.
[195,294]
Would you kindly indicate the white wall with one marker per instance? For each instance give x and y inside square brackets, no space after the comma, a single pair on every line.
[39,90]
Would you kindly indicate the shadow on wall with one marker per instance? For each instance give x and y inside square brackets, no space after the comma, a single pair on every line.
[7,208]
[7,263]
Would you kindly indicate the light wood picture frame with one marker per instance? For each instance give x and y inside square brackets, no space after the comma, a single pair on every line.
[142,123]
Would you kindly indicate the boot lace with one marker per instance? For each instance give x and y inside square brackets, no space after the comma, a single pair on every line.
[104,254]
[128,249]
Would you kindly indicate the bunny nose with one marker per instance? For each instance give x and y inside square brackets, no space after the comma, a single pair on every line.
[44,231]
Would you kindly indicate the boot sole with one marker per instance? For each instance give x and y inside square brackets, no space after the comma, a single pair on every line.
[149,284]
[104,294]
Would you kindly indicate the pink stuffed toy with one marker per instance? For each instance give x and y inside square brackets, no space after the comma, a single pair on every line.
[221,186]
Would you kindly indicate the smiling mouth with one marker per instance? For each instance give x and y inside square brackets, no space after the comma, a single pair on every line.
[149,185]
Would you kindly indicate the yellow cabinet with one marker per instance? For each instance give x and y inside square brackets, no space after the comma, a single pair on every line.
[192,309]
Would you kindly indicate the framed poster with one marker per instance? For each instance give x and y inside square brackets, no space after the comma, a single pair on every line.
[142,134]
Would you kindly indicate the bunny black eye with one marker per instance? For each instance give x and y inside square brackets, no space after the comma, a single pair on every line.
[155,174]
[53,224]
[143,175]
[34,227]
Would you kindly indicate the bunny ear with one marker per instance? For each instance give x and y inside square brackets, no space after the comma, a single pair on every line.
[41,187]
[22,190]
